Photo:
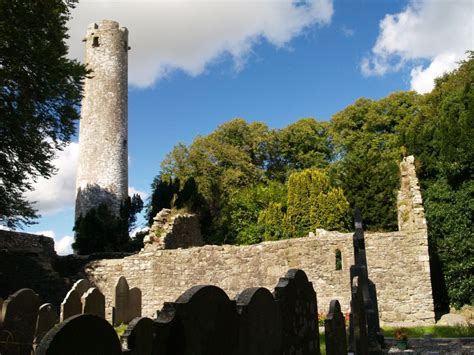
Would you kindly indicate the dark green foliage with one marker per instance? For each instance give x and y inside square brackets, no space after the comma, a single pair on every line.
[313,203]
[441,138]
[101,231]
[40,90]
[368,145]
[244,211]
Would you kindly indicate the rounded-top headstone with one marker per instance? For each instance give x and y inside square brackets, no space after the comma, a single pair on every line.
[122,301]
[138,338]
[208,321]
[93,302]
[81,286]
[71,305]
[47,318]
[80,335]
[259,322]
[19,313]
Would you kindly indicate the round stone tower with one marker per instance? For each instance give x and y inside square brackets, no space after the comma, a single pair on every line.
[102,175]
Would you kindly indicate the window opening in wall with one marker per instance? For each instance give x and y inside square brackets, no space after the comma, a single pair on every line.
[95,42]
[338,260]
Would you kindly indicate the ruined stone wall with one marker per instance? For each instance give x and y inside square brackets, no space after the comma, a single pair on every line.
[173,230]
[27,260]
[102,175]
[398,264]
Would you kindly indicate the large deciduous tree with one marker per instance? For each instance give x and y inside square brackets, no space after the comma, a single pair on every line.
[40,89]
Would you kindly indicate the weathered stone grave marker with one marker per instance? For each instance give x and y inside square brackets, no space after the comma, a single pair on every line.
[71,305]
[202,321]
[81,334]
[335,330]
[81,286]
[135,305]
[93,302]
[367,289]
[47,318]
[259,322]
[122,301]
[19,313]
[138,338]
[128,302]
[296,300]
[358,340]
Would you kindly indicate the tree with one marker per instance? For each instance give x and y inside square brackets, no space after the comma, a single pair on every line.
[441,139]
[40,90]
[313,203]
[301,145]
[100,230]
[368,146]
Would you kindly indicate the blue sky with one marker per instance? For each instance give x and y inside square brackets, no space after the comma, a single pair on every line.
[201,64]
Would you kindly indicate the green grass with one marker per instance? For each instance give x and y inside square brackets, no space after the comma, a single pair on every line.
[417,332]
[120,329]
[435,331]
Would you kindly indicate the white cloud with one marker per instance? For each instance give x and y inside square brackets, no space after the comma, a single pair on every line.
[422,79]
[438,31]
[58,192]
[132,191]
[189,35]
[62,246]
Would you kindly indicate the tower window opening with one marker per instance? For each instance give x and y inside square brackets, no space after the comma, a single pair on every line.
[125,46]
[95,42]
[338,260]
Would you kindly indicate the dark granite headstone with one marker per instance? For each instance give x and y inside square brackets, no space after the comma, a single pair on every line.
[122,301]
[20,313]
[71,305]
[297,303]
[138,338]
[259,323]
[93,302]
[335,330]
[135,303]
[202,321]
[359,343]
[80,335]
[360,270]
[47,319]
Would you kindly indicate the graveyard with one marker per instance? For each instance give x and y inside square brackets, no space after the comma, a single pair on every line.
[349,235]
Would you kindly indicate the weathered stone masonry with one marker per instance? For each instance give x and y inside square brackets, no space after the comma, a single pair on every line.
[398,264]
[102,175]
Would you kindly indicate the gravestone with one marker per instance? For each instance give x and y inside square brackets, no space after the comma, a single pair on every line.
[71,305]
[296,300]
[335,330]
[47,318]
[81,334]
[93,302]
[19,313]
[259,322]
[358,339]
[367,287]
[122,301]
[138,338]
[1,305]
[135,303]
[81,286]
[202,321]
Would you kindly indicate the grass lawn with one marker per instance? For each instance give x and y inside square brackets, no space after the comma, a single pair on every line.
[435,330]
[417,332]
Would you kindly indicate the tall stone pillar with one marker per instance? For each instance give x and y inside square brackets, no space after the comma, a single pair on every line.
[102,175]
